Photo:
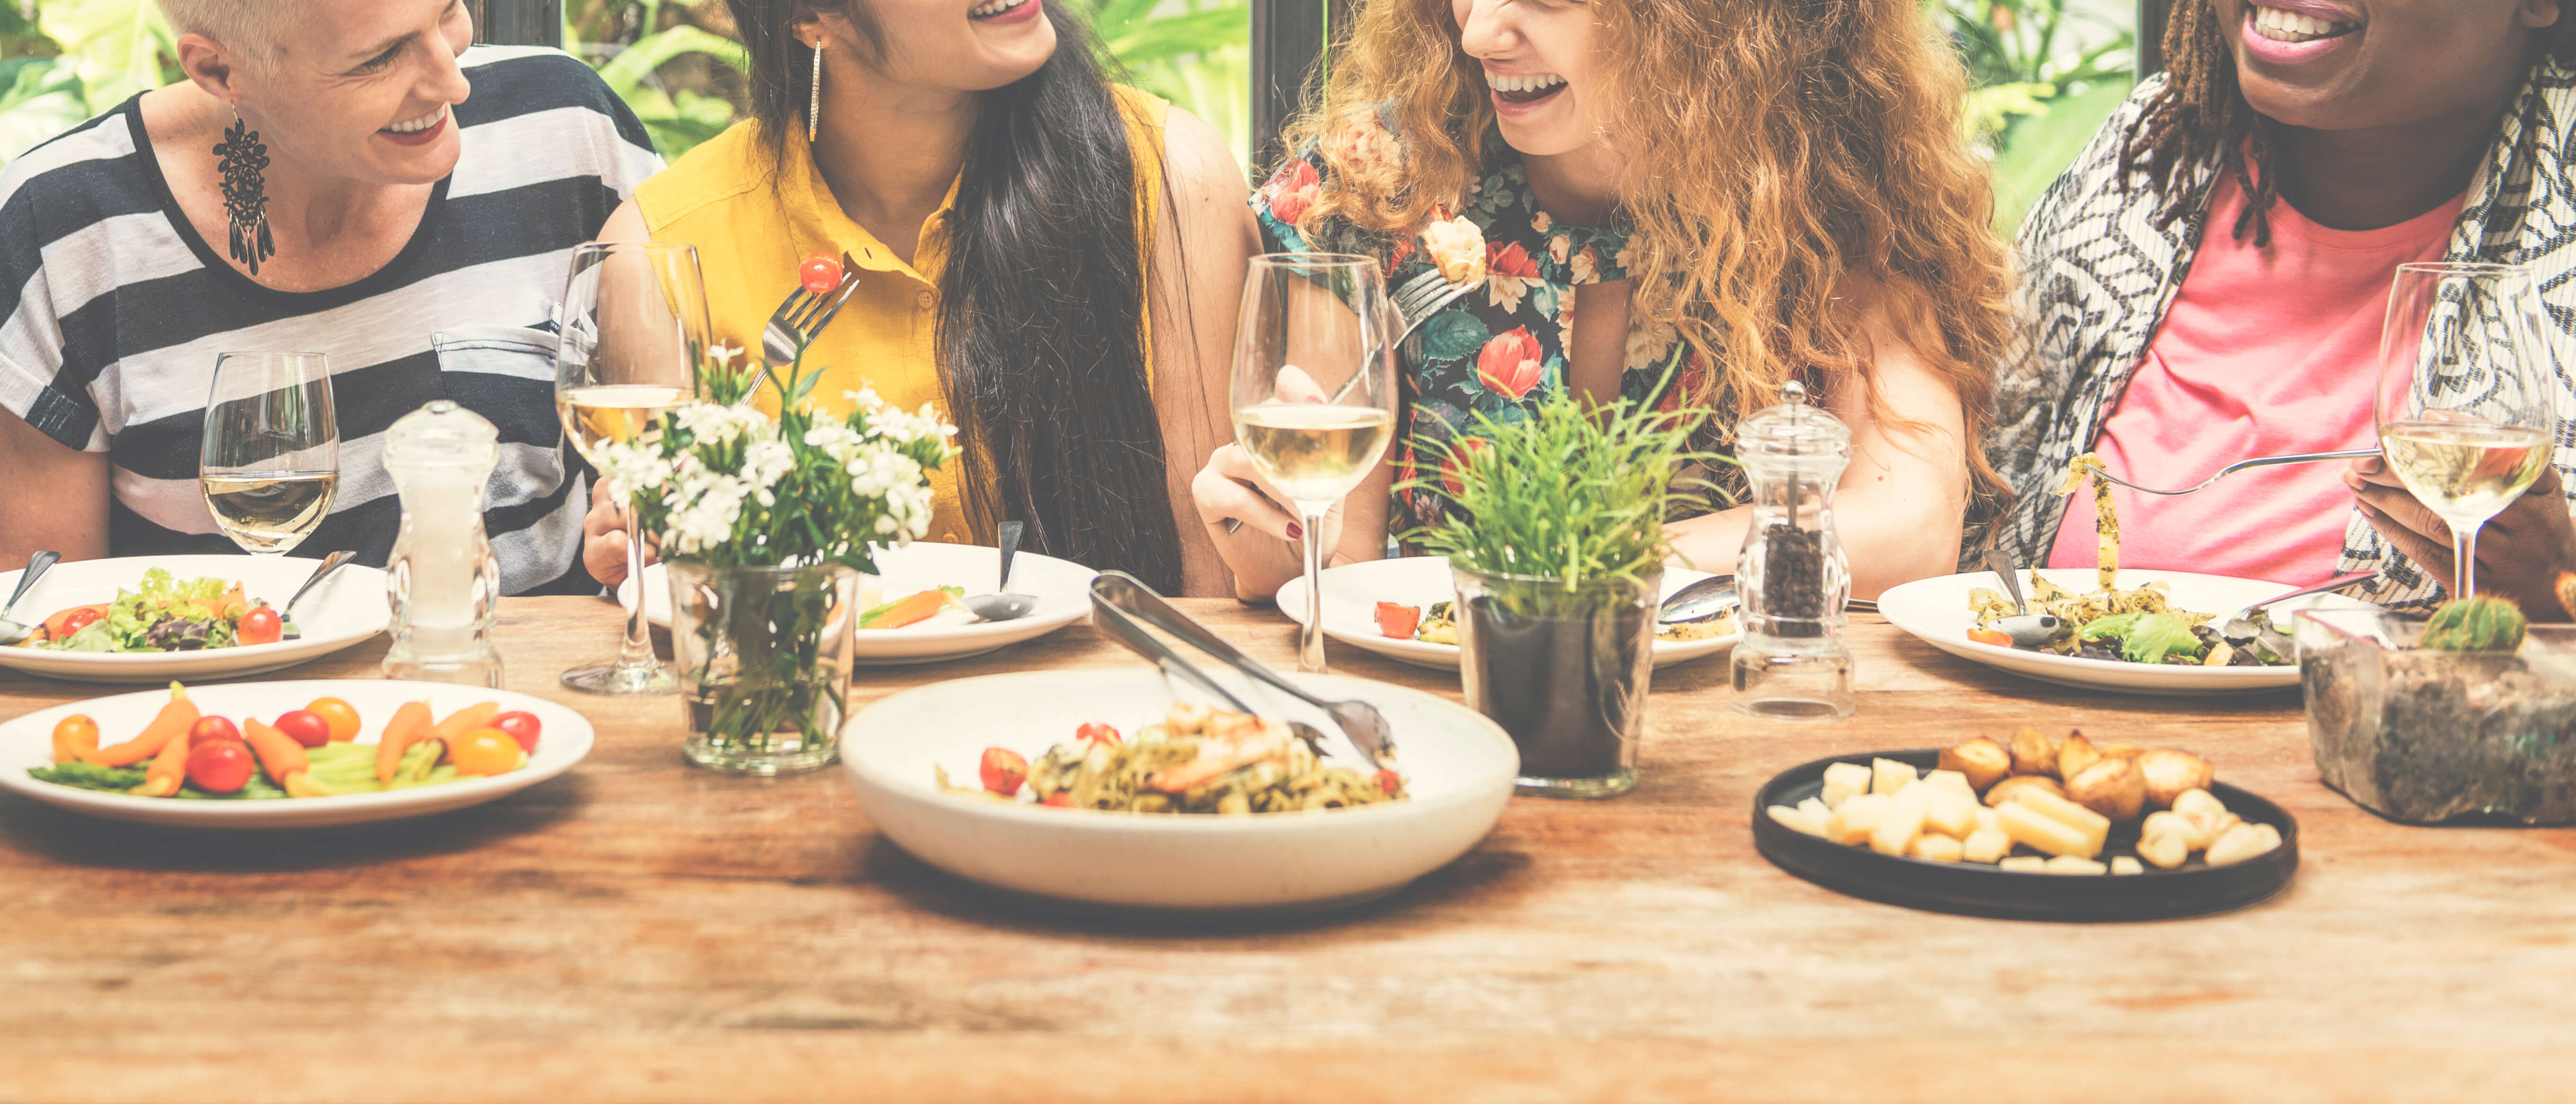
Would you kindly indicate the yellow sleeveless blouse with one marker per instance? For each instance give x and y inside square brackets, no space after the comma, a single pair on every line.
[751,235]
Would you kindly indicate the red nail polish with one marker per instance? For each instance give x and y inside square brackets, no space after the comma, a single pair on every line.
[1296,531]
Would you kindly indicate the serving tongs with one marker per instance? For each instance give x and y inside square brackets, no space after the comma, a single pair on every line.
[1121,606]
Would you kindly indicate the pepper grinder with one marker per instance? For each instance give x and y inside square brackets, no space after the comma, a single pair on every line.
[1792,663]
[443,582]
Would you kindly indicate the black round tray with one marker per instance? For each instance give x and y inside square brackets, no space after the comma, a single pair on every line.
[1979,890]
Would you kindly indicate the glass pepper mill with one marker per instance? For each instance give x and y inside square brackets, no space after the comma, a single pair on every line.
[443,581]
[1792,663]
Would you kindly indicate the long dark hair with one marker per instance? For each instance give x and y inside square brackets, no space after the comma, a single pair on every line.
[1042,299]
[2200,117]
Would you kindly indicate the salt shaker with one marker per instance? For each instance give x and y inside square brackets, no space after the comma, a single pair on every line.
[1792,663]
[443,582]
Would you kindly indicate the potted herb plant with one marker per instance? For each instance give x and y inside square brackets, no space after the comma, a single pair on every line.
[1555,536]
[768,526]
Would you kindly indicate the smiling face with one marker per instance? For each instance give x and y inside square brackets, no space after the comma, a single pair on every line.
[2358,64]
[1539,61]
[362,89]
[954,45]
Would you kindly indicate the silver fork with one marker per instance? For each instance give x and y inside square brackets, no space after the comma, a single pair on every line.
[2241,465]
[796,322]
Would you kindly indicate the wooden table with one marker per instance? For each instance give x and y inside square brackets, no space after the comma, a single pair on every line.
[642,930]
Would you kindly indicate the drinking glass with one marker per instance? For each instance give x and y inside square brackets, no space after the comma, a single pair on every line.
[1314,392]
[270,458]
[2465,404]
[634,325]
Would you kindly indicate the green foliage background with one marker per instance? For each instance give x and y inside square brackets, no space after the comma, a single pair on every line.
[2045,72]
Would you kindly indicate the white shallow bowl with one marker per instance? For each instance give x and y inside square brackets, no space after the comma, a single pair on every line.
[1458,770]
[1936,611]
[27,743]
[346,609]
[1352,592]
[1062,588]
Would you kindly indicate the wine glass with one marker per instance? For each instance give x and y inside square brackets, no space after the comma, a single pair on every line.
[2465,402]
[634,326]
[1314,392]
[270,458]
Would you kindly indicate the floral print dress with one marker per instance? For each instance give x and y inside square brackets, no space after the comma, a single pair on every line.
[1497,350]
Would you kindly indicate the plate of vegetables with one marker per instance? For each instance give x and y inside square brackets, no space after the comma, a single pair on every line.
[2141,634]
[1400,609]
[288,754]
[158,618]
[911,612]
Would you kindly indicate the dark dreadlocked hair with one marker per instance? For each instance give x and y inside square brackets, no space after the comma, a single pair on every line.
[2201,117]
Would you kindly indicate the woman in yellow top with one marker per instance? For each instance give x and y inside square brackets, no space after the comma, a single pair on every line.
[1051,260]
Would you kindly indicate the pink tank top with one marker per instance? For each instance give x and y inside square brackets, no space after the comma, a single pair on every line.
[2265,352]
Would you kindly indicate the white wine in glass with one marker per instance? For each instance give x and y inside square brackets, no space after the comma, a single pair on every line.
[1314,393]
[635,324]
[2466,403]
[270,459]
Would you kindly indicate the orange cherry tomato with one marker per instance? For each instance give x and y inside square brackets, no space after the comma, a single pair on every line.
[75,737]
[341,716]
[485,751]
[260,626]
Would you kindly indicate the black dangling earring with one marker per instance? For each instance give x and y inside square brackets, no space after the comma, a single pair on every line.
[246,194]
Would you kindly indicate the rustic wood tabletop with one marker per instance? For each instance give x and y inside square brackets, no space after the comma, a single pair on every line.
[641,930]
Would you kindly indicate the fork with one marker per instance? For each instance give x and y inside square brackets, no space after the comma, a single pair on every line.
[2241,465]
[800,319]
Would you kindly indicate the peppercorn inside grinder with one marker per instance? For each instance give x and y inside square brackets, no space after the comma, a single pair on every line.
[1792,663]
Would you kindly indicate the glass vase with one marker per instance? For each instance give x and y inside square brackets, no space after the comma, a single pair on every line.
[1563,671]
[764,660]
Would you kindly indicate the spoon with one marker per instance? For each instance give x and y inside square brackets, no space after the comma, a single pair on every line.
[2027,629]
[12,632]
[1707,599]
[1003,605]
[1124,596]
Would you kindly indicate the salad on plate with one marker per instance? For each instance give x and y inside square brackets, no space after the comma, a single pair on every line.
[163,614]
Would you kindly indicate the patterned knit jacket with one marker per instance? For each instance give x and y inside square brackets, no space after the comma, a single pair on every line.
[2098,276]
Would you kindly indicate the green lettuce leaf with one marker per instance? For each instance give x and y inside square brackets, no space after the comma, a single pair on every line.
[2156,636]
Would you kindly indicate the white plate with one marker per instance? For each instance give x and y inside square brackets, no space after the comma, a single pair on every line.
[1936,610]
[1458,770]
[28,742]
[347,608]
[1062,588]
[1352,592]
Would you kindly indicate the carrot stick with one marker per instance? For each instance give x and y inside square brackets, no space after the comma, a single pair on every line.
[172,724]
[169,768]
[410,723]
[278,754]
[467,720]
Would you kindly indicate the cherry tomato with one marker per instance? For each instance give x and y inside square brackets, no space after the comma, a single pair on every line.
[211,730]
[485,751]
[820,273]
[1097,734]
[1061,799]
[340,715]
[1995,637]
[1389,782]
[220,767]
[1003,770]
[74,736]
[80,619]
[522,727]
[304,727]
[259,626]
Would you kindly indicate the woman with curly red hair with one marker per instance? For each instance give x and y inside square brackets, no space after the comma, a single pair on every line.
[1681,202]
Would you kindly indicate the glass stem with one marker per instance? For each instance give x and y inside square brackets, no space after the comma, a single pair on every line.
[1310,641]
[2464,559]
[638,649]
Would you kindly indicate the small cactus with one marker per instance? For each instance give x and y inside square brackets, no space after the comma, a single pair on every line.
[2480,624]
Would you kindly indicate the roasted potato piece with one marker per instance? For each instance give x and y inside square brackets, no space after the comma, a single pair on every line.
[1844,781]
[2170,773]
[2118,751]
[1982,760]
[2114,788]
[2166,850]
[2074,755]
[2003,791]
[2239,844]
[2168,821]
[1985,846]
[2033,753]
[2124,864]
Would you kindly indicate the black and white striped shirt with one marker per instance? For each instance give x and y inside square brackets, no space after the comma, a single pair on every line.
[120,310]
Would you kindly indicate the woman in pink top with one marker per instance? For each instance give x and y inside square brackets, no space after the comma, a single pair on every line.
[2207,285]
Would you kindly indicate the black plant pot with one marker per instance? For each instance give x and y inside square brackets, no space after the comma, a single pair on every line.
[1564,672]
